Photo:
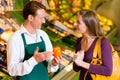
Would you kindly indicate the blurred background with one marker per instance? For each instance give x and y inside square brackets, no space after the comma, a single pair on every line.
[61,17]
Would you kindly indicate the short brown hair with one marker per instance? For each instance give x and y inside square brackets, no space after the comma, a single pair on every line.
[31,8]
[91,20]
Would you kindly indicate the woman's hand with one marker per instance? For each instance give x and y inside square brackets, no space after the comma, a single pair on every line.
[78,57]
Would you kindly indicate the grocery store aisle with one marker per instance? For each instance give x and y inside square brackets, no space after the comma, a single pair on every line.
[110,9]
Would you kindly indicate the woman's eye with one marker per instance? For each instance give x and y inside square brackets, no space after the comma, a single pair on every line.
[78,22]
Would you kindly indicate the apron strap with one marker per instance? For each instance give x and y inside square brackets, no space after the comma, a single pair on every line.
[42,41]
[24,41]
[23,38]
[41,38]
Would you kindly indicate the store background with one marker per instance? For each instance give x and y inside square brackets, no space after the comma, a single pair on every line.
[60,28]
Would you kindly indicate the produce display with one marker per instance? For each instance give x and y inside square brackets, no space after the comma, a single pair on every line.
[65,11]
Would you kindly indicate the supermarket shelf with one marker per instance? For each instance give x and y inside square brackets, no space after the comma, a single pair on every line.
[69,76]
[112,33]
[64,72]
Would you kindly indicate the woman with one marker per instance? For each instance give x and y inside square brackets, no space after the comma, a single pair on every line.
[89,25]
[29,49]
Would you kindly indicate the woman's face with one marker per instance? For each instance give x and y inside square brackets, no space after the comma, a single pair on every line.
[80,25]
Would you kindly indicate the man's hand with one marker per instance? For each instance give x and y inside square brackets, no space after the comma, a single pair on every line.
[41,56]
[56,60]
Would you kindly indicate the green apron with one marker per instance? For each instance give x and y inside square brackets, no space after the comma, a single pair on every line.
[39,71]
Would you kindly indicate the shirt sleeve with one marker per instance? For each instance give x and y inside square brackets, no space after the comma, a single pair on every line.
[15,64]
[106,67]
[49,47]
[51,67]
[78,47]
[47,41]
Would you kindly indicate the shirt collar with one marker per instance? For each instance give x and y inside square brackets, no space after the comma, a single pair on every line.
[24,30]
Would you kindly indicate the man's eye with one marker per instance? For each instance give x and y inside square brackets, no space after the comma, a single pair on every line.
[78,22]
[46,18]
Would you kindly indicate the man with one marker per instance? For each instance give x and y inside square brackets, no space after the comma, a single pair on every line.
[29,48]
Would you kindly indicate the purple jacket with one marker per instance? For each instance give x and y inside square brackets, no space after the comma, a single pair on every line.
[104,69]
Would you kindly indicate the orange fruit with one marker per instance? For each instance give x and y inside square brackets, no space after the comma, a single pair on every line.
[57,51]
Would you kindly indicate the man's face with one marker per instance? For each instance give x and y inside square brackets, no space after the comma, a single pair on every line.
[39,18]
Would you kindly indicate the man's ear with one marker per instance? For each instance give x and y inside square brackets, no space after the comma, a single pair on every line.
[30,17]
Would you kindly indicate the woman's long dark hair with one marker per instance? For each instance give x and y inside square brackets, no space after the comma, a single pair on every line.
[91,20]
